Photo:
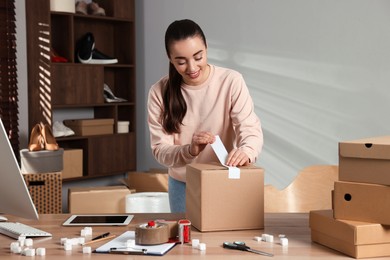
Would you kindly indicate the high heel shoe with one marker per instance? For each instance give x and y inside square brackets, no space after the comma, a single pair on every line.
[94,9]
[48,137]
[36,139]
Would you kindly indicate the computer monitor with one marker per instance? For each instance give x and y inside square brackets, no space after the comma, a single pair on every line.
[15,198]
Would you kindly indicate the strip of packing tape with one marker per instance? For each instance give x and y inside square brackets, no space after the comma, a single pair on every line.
[146,235]
[222,154]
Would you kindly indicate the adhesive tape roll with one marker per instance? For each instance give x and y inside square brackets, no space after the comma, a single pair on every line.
[173,227]
[146,235]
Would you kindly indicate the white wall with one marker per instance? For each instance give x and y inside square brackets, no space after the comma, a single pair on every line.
[317,70]
[21,48]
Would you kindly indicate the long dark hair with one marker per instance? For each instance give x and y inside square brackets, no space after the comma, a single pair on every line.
[175,107]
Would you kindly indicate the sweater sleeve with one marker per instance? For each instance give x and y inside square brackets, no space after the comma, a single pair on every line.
[249,135]
[163,145]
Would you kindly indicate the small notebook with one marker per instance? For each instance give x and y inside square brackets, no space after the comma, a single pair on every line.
[119,246]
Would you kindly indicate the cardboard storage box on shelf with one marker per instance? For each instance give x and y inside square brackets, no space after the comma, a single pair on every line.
[365,160]
[153,181]
[87,127]
[41,161]
[63,6]
[46,191]
[215,202]
[73,163]
[89,200]
[354,238]
[362,202]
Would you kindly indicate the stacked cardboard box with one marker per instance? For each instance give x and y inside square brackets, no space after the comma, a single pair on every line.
[359,223]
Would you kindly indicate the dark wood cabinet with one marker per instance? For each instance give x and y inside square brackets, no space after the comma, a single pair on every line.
[72,85]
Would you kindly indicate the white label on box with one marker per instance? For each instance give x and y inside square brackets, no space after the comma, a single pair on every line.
[222,154]
[234,172]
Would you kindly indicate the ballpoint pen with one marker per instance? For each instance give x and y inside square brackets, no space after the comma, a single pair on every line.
[128,251]
[101,236]
[96,239]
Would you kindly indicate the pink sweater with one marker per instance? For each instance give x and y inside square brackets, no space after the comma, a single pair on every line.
[222,105]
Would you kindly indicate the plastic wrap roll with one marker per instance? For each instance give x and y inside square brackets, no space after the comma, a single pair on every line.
[147,202]
[151,235]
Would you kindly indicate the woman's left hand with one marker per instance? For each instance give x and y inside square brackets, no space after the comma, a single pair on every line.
[237,158]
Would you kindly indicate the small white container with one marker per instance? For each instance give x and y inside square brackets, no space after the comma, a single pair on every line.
[123,127]
[67,6]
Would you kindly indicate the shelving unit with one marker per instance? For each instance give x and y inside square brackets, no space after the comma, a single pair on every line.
[71,86]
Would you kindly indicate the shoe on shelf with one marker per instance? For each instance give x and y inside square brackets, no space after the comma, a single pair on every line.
[60,130]
[81,7]
[54,57]
[36,139]
[101,58]
[84,48]
[94,9]
[87,53]
[110,97]
[48,137]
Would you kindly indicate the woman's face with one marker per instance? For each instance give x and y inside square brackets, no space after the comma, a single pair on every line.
[189,56]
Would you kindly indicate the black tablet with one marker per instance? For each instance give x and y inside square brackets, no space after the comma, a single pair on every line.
[99,220]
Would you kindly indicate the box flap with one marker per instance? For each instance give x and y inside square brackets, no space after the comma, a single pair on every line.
[371,148]
[152,181]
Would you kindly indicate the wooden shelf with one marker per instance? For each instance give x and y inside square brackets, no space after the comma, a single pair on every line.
[73,85]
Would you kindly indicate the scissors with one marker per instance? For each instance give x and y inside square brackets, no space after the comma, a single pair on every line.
[238,245]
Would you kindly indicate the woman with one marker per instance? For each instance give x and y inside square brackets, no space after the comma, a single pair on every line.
[193,104]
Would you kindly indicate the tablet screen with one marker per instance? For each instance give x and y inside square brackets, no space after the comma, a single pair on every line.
[98,220]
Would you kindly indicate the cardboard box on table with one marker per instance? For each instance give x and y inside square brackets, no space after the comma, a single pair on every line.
[365,160]
[106,199]
[354,238]
[362,202]
[214,202]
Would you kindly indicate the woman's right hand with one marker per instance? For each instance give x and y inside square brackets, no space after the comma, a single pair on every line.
[199,142]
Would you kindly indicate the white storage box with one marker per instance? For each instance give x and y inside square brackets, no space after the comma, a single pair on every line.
[41,161]
[68,6]
[123,126]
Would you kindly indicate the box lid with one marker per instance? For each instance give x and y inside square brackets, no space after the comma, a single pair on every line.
[353,232]
[98,189]
[217,166]
[89,122]
[370,148]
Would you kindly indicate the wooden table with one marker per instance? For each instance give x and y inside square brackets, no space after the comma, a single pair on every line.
[293,225]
